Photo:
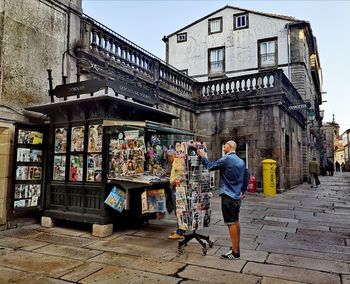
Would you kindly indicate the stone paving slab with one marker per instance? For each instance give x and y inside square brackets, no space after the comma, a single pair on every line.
[67,231]
[316,238]
[203,274]
[345,279]
[269,280]
[279,229]
[148,264]
[114,274]
[312,246]
[83,271]
[291,273]
[309,226]
[270,247]
[69,251]
[60,239]
[211,261]
[309,263]
[24,244]
[138,250]
[52,266]
[278,219]
[8,275]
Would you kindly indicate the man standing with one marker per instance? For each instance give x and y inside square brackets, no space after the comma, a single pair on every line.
[314,171]
[234,179]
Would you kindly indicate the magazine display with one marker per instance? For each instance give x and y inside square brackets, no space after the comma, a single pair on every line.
[116,199]
[153,201]
[29,155]
[126,154]
[28,162]
[30,137]
[155,156]
[27,195]
[192,183]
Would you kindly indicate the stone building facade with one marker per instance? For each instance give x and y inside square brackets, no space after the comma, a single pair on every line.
[233,42]
[252,107]
[34,36]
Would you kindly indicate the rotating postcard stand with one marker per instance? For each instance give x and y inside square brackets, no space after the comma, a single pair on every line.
[192,184]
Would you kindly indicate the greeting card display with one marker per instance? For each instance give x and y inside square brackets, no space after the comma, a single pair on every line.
[192,185]
[126,154]
[116,199]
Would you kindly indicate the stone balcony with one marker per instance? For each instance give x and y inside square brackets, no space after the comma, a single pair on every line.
[111,54]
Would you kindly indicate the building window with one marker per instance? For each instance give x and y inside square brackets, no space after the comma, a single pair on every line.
[182,37]
[216,60]
[267,50]
[215,25]
[240,21]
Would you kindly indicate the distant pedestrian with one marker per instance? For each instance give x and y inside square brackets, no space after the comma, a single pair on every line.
[314,170]
[342,167]
[337,166]
[330,167]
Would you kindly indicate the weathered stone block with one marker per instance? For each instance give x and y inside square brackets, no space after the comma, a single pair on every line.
[102,230]
[47,222]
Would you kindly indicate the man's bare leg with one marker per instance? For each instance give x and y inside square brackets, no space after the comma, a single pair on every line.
[235,232]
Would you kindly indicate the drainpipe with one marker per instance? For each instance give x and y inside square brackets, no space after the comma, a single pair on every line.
[288,50]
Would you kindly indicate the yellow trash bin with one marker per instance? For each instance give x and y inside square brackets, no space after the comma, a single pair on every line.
[269,176]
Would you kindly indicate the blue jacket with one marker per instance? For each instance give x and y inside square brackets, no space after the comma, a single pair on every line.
[234,177]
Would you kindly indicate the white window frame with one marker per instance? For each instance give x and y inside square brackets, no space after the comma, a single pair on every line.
[219,60]
[239,19]
[267,53]
[215,25]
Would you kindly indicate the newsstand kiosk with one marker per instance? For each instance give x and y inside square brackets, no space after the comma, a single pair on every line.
[102,135]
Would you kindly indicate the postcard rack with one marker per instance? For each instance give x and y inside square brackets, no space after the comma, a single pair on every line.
[192,182]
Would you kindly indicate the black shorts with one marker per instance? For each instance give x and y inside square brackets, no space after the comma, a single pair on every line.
[230,209]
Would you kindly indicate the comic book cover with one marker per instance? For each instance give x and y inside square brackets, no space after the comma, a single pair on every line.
[59,167]
[153,200]
[23,155]
[94,167]
[77,139]
[60,140]
[36,156]
[22,173]
[76,168]
[116,199]
[95,138]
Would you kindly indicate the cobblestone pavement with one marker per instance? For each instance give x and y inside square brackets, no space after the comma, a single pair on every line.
[300,236]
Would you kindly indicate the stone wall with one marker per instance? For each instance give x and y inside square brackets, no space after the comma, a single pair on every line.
[264,130]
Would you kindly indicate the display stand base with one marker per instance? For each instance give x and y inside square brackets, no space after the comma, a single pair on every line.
[202,240]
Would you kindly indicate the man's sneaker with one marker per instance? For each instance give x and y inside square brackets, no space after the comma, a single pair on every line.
[230,255]
[175,236]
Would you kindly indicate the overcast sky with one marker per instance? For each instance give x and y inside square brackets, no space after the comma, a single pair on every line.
[146,22]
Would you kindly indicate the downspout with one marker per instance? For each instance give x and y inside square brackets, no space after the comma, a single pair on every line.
[288,51]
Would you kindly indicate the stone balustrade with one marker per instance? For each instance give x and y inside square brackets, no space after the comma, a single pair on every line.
[106,45]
